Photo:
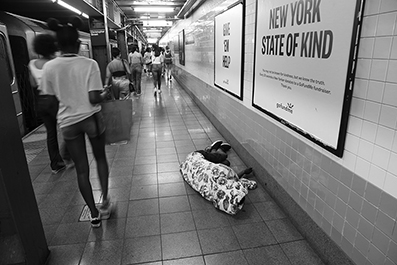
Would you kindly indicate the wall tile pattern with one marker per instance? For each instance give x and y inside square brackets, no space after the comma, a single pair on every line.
[354,198]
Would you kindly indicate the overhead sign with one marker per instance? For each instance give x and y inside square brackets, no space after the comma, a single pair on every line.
[304,65]
[229,42]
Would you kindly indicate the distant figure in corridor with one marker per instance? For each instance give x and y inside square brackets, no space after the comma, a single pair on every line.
[135,61]
[117,72]
[157,69]
[168,63]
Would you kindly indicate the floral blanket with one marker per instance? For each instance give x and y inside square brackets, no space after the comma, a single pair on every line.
[216,183]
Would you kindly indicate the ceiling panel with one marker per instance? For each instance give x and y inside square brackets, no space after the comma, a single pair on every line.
[44,9]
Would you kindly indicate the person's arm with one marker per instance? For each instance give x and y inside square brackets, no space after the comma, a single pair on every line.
[97,96]
[108,76]
[129,58]
[127,66]
[32,80]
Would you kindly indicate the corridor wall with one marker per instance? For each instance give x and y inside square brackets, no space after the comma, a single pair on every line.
[352,199]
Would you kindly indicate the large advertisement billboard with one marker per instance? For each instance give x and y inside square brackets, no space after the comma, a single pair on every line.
[304,65]
[229,43]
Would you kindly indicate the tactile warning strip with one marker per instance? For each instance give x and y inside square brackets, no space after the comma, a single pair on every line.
[34,143]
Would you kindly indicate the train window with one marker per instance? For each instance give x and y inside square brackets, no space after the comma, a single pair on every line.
[84,50]
[84,47]
[4,55]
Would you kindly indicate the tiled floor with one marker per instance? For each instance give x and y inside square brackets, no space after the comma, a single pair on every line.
[157,218]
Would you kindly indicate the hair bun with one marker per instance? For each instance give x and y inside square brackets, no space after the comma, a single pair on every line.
[53,24]
[76,22]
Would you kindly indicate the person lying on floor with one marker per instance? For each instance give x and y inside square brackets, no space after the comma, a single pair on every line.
[209,173]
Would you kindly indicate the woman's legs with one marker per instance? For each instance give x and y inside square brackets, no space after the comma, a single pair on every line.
[116,91]
[159,77]
[155,78]
[98,148]
[133,78]
[77,149]
[138,81]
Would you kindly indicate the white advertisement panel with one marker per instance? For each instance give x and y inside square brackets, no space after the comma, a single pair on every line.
[303,56]
[229,38]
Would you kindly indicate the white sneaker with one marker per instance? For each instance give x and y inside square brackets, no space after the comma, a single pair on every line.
[106,209]
[159,91]
[96,221]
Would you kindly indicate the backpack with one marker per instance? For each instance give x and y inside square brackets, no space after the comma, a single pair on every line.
[168,58]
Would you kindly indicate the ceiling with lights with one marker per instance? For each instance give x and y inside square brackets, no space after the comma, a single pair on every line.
[152,18]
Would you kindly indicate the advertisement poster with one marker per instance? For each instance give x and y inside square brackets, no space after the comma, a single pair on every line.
[304,54]
[229,40]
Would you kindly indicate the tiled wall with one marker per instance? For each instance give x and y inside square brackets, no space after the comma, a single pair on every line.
[354,198]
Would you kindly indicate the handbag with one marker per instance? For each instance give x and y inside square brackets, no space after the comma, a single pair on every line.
[117,115]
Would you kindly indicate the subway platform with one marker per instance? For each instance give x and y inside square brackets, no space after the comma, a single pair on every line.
[158,219]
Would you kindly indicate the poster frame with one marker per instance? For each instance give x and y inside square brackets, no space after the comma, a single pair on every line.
[349,85]
[242,33]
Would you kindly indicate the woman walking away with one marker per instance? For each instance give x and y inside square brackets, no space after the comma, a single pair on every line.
[76,82]
[47,106]
[157,69]
[136,62]
[168,58]
[116,75]
[147,60]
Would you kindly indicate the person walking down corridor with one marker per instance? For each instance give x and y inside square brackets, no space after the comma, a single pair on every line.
[47,105]
[117,72]
[76,82]
[168,60]
[157,69]
[147,60]
[135,61]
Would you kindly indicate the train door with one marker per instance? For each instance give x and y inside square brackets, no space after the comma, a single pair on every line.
[5,54]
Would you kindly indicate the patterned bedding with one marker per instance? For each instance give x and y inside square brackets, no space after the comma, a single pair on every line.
[216,183]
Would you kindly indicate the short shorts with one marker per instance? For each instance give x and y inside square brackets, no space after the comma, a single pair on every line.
[93,126]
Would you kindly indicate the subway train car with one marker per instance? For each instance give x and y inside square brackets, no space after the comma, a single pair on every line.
[5,53]
[21,32]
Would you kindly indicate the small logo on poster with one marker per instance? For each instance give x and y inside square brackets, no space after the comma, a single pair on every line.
[288,108]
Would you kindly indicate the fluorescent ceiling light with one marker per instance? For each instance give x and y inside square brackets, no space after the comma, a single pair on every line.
[153,35]
[71,8]
[159,3]
[154,9]
[157,23]
[152,30]
[152,40]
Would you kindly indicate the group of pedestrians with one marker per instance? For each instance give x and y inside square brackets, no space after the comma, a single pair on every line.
[155,62]
[69,90]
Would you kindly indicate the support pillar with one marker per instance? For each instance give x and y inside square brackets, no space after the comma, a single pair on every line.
[22,239]
[122,43]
